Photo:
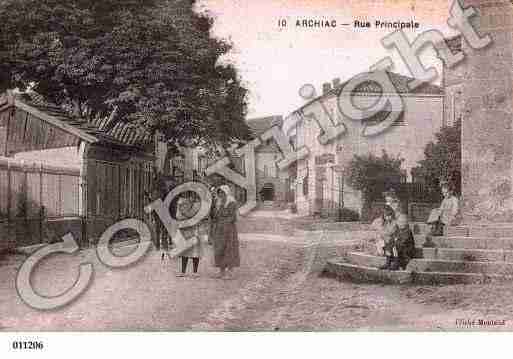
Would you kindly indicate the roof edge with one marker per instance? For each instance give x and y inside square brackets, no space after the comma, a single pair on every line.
[54,121]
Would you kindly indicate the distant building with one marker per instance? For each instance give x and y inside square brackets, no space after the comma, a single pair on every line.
[272,184]
[320,186]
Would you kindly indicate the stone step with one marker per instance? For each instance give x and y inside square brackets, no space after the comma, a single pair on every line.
[436,265]
[420,228]
[463,254]
[459,231]
[342,269]
[358,273]
[486,230]
[467,242]
[365,260]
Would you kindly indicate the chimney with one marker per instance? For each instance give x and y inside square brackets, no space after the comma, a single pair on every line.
[326,87]
[336,82]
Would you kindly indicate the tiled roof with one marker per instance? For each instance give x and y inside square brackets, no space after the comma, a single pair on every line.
[400,83]
[454,43]
[261,124]
[105,129]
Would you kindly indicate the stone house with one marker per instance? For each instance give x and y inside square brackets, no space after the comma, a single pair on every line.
[321,187]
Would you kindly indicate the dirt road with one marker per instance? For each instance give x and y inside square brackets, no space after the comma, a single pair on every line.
[272,291]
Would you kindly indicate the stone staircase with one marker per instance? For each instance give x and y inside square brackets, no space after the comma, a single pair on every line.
[468,254]
[271,206]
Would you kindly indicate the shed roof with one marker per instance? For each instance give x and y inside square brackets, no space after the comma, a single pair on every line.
[106,130]
[261,124]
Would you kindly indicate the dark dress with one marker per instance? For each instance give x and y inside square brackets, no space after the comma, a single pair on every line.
[405,244]
[224,236]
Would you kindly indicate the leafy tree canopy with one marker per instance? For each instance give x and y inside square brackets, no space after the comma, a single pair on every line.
[153,59]
[442,159]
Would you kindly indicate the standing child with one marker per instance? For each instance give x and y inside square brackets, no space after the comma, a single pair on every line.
[187,208]
[388,233]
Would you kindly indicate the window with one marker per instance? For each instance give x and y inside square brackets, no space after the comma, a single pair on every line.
[305,186]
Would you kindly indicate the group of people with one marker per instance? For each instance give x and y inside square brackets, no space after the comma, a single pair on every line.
[395,239]
[218,230]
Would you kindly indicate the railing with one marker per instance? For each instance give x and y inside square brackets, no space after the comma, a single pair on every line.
[417,211]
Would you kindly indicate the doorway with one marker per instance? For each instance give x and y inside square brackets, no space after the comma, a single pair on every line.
[267,192]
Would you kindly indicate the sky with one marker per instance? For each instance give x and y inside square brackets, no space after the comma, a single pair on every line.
[274,62]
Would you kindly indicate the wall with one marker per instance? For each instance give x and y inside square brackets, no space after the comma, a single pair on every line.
[486,123]
[65,157]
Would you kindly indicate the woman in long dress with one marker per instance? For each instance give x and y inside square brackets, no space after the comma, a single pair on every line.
[224,232]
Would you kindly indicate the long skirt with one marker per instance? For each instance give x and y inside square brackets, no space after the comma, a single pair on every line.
[226,245]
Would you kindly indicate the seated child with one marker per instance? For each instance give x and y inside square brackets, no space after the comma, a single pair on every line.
[404,244]
[387,236]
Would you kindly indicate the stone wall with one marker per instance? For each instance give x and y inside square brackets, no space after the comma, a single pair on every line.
[487,114]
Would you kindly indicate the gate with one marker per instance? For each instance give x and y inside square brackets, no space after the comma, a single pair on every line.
[115,191]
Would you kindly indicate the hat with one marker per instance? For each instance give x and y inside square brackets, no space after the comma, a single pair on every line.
[225,189]
[390,193]
[444,183]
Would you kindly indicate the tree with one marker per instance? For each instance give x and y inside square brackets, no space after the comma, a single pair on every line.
[372,174]
[154,60]
[363,172]
[442,159]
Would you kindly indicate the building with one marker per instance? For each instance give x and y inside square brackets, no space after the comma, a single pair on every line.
[452,83]
[84,175]
[272,184]
[321,188]
[487,149]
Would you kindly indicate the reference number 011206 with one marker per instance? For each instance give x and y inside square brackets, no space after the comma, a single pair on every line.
[27,345]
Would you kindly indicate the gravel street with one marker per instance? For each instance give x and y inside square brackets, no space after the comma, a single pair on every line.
[273,290]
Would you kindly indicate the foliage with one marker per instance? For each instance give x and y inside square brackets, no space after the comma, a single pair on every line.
[348,215]
[442,159]
[153,59]
[365,171]
[21,203]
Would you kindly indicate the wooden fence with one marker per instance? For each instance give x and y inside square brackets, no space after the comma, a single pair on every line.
[32,195]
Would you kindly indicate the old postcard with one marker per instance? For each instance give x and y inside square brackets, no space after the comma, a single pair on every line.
[214,165]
